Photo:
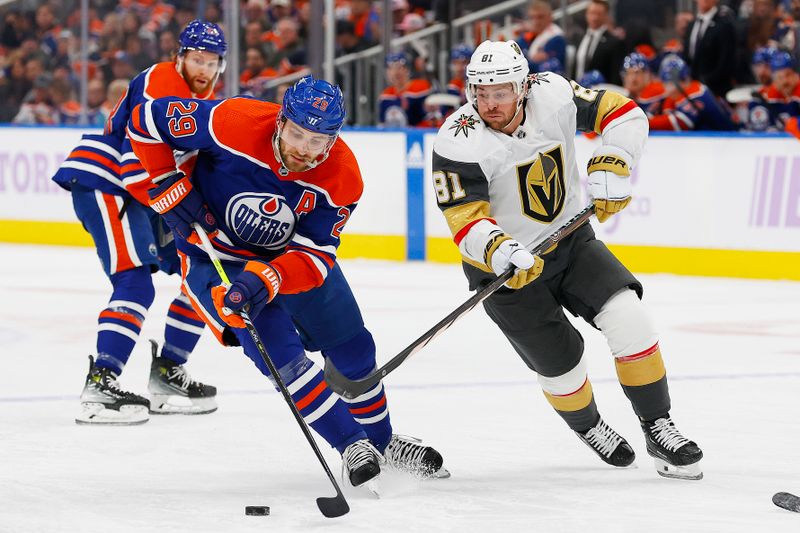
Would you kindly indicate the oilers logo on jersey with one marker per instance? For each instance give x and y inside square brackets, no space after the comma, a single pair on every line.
[261,219]
[541,184]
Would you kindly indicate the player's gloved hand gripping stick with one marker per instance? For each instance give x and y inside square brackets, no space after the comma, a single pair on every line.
[351,388]
[330,507]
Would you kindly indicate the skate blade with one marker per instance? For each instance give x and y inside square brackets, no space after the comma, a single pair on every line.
[373,487]
[442,473]
[689,472]
[173,404]
[97,414]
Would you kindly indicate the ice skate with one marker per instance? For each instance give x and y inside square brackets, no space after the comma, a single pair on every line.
[362,464]
[409,455]
[104,402]
[609,445]
[173,391]
[675,456]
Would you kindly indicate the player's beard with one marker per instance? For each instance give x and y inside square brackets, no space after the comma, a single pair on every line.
[197,84]
[497,119]
[292,160]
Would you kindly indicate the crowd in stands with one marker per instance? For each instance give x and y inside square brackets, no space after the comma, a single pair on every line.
[729,64]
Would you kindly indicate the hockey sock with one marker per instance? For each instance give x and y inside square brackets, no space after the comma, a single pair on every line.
[644,380]
[182,330]
[577,408]
[355,359]
[320,407]
[120,322]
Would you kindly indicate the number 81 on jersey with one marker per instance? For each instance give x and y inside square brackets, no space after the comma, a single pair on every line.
[448,187]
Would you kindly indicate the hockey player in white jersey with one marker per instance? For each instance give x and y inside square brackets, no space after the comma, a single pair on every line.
[506,175]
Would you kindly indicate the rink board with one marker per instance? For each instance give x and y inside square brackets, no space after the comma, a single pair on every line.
[719,205]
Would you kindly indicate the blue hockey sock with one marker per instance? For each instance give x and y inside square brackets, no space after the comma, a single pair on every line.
[182,330]
[355,359]
[120,322]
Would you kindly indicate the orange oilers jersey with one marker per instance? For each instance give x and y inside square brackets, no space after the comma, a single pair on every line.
[293,221]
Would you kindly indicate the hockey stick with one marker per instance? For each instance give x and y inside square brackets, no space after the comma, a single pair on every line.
[787,501]
[330,507]
[351,388]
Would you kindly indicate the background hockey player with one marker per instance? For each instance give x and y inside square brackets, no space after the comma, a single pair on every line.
[506,176]
[132,244]
[778,106]
[637,79]
[689,105]
[281,186]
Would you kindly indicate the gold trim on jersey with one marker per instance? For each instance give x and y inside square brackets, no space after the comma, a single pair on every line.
[609,103]
[459,216]
[641,371]
[541,185]
[576,401]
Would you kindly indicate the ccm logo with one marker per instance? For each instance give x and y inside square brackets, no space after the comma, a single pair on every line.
[170,198]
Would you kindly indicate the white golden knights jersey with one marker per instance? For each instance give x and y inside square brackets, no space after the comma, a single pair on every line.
[492,186]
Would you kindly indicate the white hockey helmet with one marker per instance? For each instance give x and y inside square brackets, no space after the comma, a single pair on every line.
[494,63]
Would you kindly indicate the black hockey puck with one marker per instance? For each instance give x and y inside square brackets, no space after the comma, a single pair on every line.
[256,510]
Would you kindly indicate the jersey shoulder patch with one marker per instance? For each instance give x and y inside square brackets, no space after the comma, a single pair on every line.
[462,135]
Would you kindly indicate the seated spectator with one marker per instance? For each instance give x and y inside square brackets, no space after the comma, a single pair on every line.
[346,39]
[256,72]
[401,103]
[459,59]
[13,88]
[544,39]
[167,46]
[366,21]
[438,107]
[689,105]
[284,41]
[37,108]
[637,79]
[96,113]
[279,9]
[778,107]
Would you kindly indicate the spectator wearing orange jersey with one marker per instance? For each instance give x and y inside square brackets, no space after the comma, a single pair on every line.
[366,21]
[256,72]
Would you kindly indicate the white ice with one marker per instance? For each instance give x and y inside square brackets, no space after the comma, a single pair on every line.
[732,354]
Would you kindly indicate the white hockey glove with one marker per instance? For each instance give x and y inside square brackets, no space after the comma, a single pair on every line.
[510,252]
[609,181]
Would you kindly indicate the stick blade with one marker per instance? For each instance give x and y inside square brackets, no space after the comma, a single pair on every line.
[787,501]
[333,507]
[340,384]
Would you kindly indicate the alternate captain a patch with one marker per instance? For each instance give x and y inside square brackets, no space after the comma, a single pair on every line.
[464,123]
[541,185]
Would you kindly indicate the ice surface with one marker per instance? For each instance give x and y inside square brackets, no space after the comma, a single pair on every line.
[732,349]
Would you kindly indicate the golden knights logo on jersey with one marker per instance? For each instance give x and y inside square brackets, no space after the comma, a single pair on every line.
[541,185]
[261,219]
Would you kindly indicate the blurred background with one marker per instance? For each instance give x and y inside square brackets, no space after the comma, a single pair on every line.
[68,61]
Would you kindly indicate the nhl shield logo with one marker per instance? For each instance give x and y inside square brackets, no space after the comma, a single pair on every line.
[541,185]
[261,219]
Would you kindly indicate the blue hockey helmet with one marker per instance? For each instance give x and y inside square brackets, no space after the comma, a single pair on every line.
[398,57]
[591,78]
[764,55]
[781,60]
[552,64]
[317,106]
[635,61]
[673,69]
[461,51]
[202,35]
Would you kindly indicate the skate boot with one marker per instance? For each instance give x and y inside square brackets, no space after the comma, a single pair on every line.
[675,456]
[173,391]
[103,402]
[409,455]
[362,463]
[609,445]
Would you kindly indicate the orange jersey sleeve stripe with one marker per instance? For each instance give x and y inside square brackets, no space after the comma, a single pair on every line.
[97,158]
